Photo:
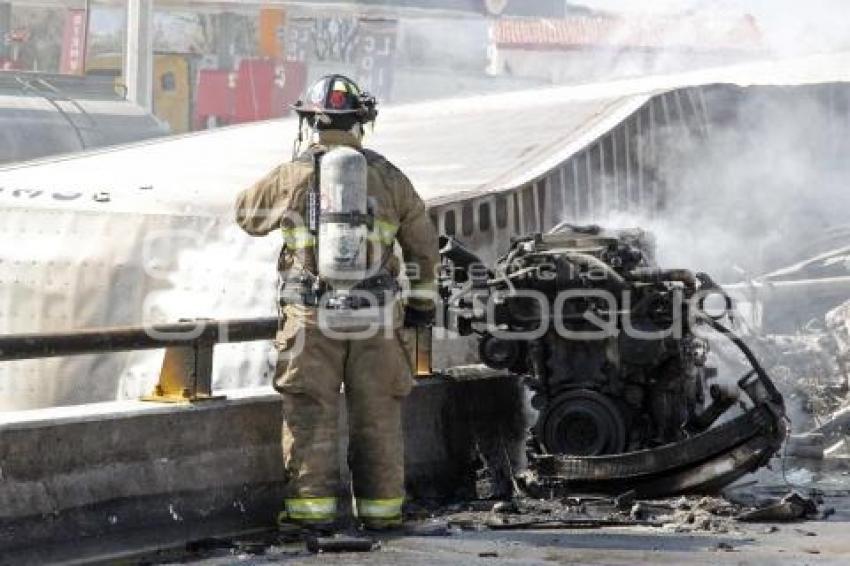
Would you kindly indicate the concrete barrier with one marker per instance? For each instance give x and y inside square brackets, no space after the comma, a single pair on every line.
[102,479]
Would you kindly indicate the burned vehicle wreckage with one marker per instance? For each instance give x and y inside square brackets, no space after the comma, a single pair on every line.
[613,352]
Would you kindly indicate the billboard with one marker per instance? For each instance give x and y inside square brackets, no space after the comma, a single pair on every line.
[362,47]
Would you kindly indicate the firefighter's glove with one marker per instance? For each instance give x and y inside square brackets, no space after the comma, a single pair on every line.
[414,318]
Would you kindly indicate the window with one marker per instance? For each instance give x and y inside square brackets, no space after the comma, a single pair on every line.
[517,224]
[451,223]
[466,221]
[484,216]
[556,195]
[540,187]
[168,82]
[501,211]
[529,214]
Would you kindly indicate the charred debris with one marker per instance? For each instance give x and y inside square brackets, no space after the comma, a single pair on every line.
[643,383]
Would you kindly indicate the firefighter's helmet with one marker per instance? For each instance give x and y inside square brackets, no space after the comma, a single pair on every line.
[334,98]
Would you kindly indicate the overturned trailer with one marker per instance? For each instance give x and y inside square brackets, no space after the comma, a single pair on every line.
[613,351]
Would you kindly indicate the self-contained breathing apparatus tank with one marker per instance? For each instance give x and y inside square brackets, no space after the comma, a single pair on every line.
[356,293]
[344,219]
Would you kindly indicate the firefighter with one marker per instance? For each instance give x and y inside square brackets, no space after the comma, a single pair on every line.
[314,364]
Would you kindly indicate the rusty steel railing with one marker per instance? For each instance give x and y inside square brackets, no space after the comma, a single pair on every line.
[186,373]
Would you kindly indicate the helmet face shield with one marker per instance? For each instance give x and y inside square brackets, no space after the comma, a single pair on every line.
[317,93]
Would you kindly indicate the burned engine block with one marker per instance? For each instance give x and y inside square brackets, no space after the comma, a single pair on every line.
[600,333]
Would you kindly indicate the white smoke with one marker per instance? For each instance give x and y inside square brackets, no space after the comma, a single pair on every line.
[759,188]
[788,27]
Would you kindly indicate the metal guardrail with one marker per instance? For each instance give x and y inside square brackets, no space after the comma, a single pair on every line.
[186,373]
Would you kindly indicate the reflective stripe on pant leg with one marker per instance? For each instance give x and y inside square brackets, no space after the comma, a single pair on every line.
[379,508]
[311,508]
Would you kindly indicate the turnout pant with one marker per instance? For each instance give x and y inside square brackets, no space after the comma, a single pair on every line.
[376,375]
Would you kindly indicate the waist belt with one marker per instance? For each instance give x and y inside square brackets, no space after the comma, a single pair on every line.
[308,290]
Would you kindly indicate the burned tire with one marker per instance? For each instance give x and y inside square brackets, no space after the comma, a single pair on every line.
[581,423]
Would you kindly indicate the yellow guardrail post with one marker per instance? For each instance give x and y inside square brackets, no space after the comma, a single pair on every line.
[186,375]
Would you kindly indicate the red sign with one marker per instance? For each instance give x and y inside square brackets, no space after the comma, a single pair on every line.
[74,43]
[259,90]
